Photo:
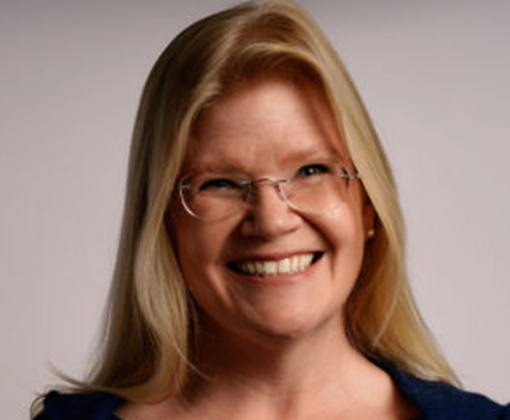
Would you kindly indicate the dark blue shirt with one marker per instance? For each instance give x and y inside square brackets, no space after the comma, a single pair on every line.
[435,400]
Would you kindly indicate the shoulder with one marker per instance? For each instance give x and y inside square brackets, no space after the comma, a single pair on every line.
[94,406]
[442,401]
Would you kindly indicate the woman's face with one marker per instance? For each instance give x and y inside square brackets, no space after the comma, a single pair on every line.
[269,128]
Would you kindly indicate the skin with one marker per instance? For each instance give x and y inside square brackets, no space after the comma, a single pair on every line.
[274,348]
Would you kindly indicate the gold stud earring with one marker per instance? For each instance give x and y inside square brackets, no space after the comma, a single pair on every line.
[370,233]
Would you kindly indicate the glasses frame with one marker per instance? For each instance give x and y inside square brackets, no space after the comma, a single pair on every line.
[250,187]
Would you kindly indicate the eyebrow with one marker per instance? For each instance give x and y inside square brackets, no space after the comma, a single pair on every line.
[213,167]
[311,154]
[299,156]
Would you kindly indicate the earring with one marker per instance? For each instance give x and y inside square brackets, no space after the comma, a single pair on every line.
[370,233]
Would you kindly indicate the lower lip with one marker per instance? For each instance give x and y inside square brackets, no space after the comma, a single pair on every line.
[280,279]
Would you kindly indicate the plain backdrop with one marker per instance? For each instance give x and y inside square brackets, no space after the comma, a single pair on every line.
[434,76]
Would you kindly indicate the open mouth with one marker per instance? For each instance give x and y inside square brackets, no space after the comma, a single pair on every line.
[285,266]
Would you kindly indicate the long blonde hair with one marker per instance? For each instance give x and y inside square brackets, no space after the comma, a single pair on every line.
[147,326]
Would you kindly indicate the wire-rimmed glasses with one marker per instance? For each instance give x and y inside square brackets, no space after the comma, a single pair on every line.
[316,189]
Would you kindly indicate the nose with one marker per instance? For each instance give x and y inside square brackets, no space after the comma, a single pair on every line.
[269,214]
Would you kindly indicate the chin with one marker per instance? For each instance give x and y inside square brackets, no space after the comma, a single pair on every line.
[287,327]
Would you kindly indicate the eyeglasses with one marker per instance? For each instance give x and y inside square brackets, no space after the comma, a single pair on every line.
[316,189]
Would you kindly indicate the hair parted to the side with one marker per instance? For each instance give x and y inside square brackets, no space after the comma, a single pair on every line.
[147,327]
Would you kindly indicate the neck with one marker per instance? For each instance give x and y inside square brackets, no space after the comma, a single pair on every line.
[272,377]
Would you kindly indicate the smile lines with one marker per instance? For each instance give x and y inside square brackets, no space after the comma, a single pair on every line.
[285,266]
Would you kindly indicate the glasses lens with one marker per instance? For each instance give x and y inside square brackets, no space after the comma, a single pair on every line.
[319,192]
[212,198]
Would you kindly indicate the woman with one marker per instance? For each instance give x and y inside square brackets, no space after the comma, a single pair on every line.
[261,266]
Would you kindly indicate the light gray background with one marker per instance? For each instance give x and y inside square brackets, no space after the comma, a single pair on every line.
[434,75]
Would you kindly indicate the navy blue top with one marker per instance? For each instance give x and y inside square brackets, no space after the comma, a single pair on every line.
[435,400]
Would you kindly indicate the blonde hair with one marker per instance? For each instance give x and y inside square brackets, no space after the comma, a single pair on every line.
[145,354]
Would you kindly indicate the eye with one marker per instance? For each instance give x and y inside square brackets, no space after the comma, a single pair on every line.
[313,170]
[219,184]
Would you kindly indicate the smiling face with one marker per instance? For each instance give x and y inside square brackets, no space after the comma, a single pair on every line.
[270,270]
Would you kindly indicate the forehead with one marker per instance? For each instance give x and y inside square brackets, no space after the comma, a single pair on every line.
[268,122]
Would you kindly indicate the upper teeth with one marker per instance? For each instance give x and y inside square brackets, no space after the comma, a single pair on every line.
[289,265]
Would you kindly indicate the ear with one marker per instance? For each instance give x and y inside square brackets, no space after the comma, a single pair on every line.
[369,219]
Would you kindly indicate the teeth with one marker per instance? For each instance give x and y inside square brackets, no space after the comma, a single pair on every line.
[289,265]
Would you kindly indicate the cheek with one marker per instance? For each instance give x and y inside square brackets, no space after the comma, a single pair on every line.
[193,251]
[344,227]
[198,248]
[345,233]
[200,254]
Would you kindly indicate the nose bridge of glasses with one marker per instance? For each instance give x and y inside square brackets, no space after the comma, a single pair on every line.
[253,186]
